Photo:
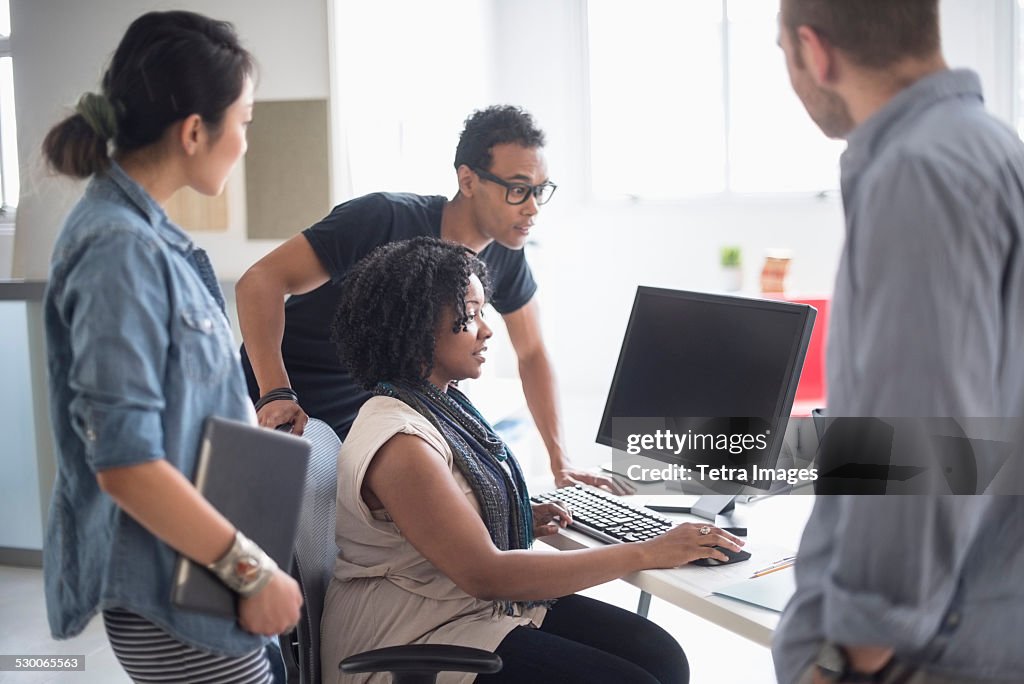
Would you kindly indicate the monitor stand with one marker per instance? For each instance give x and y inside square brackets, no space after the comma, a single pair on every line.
[709,506]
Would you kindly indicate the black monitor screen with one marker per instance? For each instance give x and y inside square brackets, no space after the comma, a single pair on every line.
[706,365]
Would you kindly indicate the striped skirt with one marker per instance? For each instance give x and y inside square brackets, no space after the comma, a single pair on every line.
[149,654]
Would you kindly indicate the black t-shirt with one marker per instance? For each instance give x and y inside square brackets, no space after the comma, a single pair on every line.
[346,235]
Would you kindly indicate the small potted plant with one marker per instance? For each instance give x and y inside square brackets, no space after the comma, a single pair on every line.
[732,268]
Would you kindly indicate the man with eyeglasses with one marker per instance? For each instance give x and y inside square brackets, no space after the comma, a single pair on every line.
[289,359]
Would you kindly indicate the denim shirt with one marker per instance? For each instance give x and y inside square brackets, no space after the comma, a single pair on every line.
[139,354]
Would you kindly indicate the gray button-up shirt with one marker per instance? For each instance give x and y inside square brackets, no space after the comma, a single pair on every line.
[927,321]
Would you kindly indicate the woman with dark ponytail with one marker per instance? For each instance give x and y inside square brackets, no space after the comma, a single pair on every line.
[140,353]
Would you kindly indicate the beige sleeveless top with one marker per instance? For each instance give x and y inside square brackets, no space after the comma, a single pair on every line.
[384,592]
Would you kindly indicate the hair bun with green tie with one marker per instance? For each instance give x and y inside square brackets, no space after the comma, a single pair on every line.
[98,112]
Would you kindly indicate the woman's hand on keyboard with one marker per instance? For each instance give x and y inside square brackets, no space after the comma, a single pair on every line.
[548,518]
[567,477]
[684,544]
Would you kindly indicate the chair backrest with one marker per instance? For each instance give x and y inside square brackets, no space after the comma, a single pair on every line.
[312,567]
[315,550]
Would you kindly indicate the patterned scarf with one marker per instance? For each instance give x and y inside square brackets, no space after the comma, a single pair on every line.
[478,454]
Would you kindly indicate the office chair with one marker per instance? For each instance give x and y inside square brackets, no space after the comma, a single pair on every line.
[312,565]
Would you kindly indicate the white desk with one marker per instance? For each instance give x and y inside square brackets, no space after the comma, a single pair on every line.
[774,526]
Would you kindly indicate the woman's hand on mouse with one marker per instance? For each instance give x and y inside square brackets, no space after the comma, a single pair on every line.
[688,542]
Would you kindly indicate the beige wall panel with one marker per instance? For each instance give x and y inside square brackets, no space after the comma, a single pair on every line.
[286,168]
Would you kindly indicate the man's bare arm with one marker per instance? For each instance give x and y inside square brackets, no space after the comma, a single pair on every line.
[540,388]
[292,268]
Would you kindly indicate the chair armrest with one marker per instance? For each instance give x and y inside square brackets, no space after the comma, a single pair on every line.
[423,658]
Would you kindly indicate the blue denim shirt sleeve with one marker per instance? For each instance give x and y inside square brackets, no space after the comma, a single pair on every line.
[118,328]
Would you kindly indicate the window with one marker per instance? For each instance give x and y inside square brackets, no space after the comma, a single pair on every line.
[693,98]
[403,92]
[9,184]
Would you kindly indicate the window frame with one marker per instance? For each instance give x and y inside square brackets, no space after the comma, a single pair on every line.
[726,197]
[8,213]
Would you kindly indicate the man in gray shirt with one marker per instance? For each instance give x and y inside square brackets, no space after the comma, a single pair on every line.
[927,321]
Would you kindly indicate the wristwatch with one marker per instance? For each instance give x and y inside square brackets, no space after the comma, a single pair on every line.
[834,665]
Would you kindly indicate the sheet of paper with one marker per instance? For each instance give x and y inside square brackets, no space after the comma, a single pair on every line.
[770,591]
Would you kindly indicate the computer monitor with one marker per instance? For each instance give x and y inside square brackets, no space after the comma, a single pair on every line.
[701,365]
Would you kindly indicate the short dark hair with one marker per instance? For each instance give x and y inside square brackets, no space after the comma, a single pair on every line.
[168,66]
[496,125]
[873,33]
[392,302]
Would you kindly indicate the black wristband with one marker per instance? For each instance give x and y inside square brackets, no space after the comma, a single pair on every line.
[279,394]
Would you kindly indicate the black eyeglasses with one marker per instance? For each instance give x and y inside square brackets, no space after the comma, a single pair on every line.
[518,193]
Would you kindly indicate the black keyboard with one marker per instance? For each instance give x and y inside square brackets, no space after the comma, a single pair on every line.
[607,517]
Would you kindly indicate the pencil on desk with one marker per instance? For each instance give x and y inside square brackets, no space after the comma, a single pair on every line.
[775,564]
[781,561]
[774,568]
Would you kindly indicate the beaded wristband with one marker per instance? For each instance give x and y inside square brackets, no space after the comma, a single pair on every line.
[279,394]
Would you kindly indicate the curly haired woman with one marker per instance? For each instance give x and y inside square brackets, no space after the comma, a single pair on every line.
[434,519]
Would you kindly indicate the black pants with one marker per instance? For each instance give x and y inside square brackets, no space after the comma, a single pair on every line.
[587,641]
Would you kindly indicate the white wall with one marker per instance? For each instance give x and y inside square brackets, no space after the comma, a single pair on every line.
[60,48]
[589,256]
[982,35]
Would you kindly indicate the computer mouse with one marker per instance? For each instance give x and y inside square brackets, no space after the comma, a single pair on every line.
[734,557]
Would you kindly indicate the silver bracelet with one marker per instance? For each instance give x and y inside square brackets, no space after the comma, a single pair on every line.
[245,568]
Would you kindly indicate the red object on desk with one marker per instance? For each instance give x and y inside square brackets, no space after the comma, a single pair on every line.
[810,393]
